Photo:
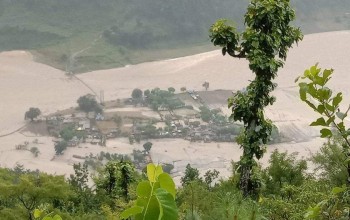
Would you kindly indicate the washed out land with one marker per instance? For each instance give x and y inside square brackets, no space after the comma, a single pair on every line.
[182,135]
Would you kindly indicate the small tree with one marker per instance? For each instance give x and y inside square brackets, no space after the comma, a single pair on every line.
[136,94]
[68,133]
[191,174]
[183,89]
[88,103]
[206,85]
[147,146]
[171,89]
[35,151]
[118,120]
[210,176]
[60,147]
[32,113]
[284,169]
[146,93]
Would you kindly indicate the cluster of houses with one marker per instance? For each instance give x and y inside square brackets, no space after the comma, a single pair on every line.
[80,122]
[191,129]
[97,128]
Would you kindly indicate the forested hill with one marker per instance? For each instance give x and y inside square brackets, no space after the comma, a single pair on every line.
[109,33]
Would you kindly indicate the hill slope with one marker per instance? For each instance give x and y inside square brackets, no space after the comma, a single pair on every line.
[100,34]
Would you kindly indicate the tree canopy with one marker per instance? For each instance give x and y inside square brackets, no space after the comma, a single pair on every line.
[88,103]
[32,113]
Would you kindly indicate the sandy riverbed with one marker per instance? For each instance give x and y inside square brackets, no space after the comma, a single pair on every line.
[25,83]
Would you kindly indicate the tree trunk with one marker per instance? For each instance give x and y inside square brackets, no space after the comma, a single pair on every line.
[348,180]
[30,215]
[245,180]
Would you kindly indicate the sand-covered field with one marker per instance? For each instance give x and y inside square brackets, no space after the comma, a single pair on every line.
[25,83]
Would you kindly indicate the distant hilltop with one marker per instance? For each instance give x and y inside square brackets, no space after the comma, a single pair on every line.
[81,36]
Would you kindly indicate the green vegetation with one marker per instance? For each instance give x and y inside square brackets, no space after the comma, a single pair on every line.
[320,98]
[147,146]
[264,43]
[68,132]
[60,147]
[32,113]
[88,103]
[281,191]
[137,94]
[80,36]
[35,151]
[163,99]
[314,92]
[155,197]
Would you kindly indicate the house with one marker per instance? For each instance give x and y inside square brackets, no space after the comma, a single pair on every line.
[84,125]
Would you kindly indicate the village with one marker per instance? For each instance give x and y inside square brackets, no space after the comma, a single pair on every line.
[157,114]
[145,117]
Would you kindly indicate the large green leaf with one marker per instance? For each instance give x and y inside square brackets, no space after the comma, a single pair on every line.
[131,212]
[326,133]
[37,213]
[310,104]
[320,109]
[319,122]
[153,172]
[337,99]
[326,74]
[144,189]
[57,217]
[167,183]
[324,93]
[337,190]
[314,71]
[152,211]
[302,91]
[168,209]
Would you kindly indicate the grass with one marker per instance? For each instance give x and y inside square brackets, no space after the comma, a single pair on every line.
[140,31]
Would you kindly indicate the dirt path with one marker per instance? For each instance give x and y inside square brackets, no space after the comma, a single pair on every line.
[70,66]
[8,134]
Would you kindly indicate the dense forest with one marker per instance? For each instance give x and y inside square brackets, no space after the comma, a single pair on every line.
[122,32]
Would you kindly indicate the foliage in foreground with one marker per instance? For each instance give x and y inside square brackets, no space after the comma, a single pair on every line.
[155,197]
[315,93]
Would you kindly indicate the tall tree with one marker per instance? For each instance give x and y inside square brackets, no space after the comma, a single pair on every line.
[88,103]
[127,173]
[136,94]
[264,43]
[32,113]
[147,146]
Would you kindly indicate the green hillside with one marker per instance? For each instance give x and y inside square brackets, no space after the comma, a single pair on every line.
[83,35]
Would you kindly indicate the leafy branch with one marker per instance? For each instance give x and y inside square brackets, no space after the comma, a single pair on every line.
[313,91]
[155,197]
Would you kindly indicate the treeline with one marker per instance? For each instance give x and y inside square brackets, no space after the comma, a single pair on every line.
[287,191]
[14,38]
[151,23]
